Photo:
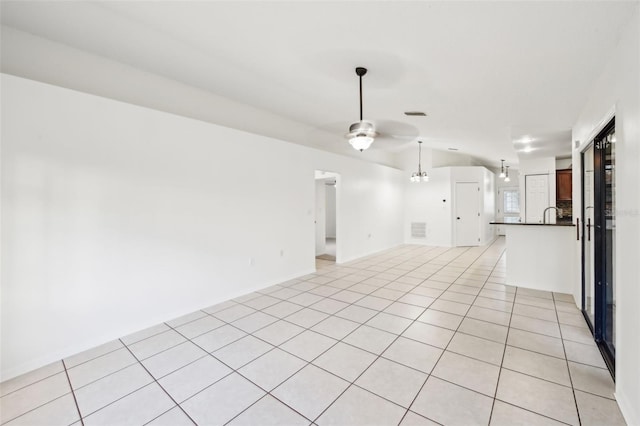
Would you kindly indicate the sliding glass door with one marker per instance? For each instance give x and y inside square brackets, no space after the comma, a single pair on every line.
[598,240]
[588,239]
[608,236]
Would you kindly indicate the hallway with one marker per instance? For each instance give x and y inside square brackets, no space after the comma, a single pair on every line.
[411,336]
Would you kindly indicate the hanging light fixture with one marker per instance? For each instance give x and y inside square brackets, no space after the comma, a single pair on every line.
[506,176]
[362,133]
[419,175]
[502,175]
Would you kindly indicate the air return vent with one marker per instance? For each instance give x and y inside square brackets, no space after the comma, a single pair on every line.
[415,113]
[418,230]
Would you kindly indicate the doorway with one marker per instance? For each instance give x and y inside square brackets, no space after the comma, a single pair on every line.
[536,188]
[467,214]
[326,228]
[598,240]
[508,207]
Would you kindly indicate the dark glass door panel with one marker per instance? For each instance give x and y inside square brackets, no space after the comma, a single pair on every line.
[588,237]
[599,239]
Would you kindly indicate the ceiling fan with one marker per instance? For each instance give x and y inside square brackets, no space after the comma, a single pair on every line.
[362,133]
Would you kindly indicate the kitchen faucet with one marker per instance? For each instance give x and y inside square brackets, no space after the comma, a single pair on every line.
[544,214]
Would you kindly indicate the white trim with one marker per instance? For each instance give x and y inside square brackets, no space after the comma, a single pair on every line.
[370,253]
[597,129]
[132,328]
[626,409]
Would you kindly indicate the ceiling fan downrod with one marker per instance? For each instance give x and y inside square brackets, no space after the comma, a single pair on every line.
[360,71]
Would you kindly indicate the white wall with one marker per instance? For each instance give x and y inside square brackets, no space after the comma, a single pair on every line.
[116,217]
[407,159]
[441,158]
[431,158]
[618,90]
[537,166]
[430,202]
[563,163]
[433,202]
[48,61]
[330,218]
[488,232]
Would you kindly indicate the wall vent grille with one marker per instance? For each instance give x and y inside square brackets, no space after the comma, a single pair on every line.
[418,230]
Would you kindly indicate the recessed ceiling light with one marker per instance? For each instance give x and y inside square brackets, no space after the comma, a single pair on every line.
[415,113]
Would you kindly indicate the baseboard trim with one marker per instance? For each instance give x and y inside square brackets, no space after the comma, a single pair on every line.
[628,410]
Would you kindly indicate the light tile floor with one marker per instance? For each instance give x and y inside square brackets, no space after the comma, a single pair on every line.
[411,336]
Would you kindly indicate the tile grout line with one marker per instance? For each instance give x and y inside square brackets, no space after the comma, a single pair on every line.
[13,419]
[389,281]
[234,370]
[573,390]
[31,383]
[454,331]
[73,393]
[342,340]
[159,385]
[380,356]
[445,348]
[504,352]
[458,328]
[413,321]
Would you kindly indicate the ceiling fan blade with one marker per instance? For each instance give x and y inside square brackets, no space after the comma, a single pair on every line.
[396,129]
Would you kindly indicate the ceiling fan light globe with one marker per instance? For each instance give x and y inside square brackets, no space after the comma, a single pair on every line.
[361,142]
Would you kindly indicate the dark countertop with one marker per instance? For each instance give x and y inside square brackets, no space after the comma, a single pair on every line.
[533,224]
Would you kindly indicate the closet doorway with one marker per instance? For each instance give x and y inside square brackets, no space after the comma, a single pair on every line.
[326,223]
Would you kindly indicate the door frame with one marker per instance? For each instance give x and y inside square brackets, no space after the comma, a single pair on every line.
[455,213]
[323,175]
[600,246]
[526,219]
[500,213]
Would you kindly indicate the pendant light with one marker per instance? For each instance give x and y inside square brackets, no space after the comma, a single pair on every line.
[419,175]
[362,133]
[502,175]
[506,176]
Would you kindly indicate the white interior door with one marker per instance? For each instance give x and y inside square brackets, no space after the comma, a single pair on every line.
[467,214]
[536,197]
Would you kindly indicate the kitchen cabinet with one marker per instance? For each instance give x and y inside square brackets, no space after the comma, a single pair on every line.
[564,185]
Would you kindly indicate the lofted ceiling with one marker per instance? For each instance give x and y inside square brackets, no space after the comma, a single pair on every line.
[489,75]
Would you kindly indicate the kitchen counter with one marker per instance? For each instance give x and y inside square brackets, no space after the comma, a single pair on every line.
[541,256]
[533,224]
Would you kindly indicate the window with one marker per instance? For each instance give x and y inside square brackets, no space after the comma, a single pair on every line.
[511,201]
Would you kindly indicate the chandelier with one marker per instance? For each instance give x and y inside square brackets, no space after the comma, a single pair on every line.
[419,176]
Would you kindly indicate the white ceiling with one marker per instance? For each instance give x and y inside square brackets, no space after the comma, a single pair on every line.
[488,74]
